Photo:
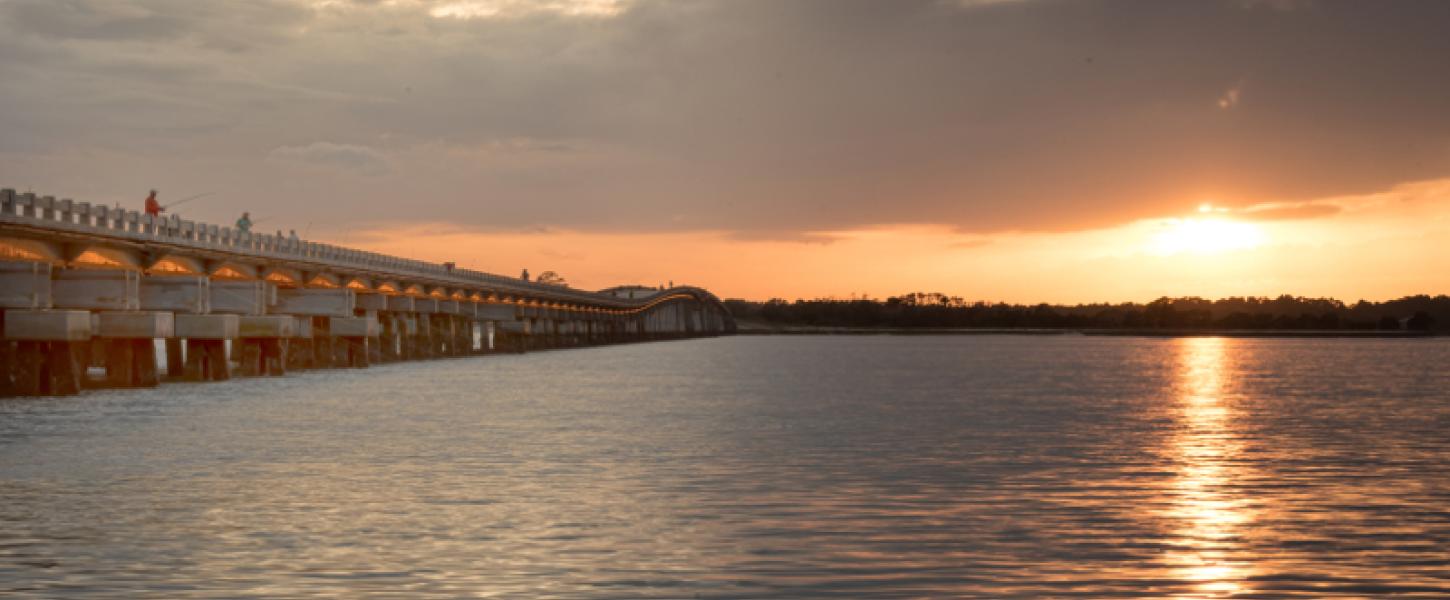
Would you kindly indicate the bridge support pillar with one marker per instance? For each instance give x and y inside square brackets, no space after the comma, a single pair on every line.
[175,362]
[298,349]
[406,326]
[446,343]
[403,328]
[541,334]
[442,335]
[206,350]
[423,337]
[562,336]
[447,335]
[131,363]
[350,338]
[45,360]
[350,352]
[206,360]
[129,347]
[322,342]
[388,337]
[263,345]
[437,335]
[7,361]
[462,336]
[511,336]
[48,368]
[477,337]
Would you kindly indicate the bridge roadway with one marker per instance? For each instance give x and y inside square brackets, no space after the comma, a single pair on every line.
[85,286]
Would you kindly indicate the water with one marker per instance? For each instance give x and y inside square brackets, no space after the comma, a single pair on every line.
[754,467]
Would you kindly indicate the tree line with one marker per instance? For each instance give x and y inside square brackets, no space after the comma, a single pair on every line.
[935,310]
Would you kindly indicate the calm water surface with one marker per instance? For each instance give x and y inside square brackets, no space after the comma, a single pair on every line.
[755,467]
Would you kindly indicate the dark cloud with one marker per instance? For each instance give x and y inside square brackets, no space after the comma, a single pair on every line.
[763,118]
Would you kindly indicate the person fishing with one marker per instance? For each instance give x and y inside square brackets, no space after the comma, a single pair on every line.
[153,207]
[244,224]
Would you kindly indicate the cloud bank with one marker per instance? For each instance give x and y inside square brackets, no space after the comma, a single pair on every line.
[763,119]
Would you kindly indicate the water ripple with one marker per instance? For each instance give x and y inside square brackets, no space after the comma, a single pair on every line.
[799,467]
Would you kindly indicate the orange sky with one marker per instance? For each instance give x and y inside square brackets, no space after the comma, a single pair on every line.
[1375,247]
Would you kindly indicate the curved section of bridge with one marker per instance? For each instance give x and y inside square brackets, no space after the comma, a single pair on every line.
[86,285]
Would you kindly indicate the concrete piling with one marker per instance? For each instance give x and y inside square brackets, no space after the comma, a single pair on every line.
[206,360]
[47,357]
[128,349]
[174,359]
[206,351]
[264,344]
[131,363]
[322,343]
[48,368]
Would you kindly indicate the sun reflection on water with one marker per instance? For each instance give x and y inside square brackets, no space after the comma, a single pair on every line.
[1210,517]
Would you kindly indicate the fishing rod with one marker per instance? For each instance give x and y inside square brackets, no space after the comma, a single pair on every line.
[187,199]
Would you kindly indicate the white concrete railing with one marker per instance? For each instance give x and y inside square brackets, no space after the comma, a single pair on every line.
[84,217]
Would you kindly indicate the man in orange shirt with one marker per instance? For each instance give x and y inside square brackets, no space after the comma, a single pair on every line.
[153,207]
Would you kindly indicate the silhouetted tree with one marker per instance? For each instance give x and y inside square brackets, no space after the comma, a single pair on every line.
[1421,321]
[933,309]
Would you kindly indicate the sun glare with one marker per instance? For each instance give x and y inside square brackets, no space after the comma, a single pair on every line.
[1205,236]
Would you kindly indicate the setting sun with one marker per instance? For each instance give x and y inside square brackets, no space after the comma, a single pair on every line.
[1205,236]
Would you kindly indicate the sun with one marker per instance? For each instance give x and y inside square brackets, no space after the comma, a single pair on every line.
[1205,235]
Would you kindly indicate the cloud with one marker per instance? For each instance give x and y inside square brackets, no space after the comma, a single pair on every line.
[1230,98]
[490,9]
[970,243]
[766,119]
[818,238]
[346,157]
[1280,212]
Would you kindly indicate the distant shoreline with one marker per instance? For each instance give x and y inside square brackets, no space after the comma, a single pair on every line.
[932,313]
[758,329]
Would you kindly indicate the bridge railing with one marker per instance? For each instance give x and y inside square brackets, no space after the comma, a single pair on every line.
[116,222]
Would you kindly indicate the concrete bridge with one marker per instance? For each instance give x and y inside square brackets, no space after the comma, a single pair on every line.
[88,286]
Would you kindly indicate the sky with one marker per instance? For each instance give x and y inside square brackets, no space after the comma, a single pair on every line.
[998,150]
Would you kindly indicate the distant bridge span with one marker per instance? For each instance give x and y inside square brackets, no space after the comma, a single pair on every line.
[89,285]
